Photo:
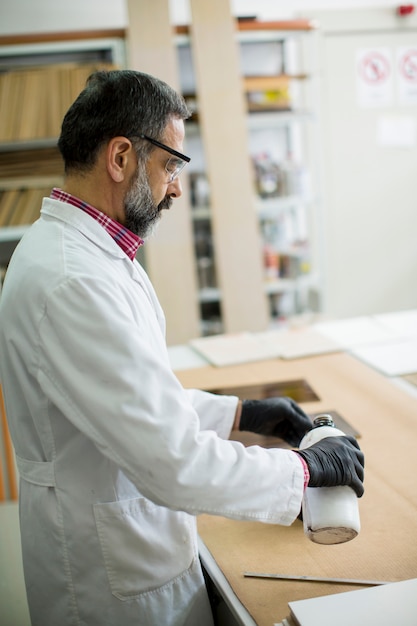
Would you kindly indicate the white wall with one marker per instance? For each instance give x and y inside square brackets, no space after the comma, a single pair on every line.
[278,9]
[370,185]
[23,16]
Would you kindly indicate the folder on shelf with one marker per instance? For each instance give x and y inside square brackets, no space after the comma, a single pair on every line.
[7,204]
[55,110]
[31,204]
[15,105]
[18,209]
[384,605]
[21,207]
[33,101]
[31,105]
[5,92]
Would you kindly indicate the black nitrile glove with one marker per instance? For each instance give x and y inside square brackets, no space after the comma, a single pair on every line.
[335,461]
[277,417]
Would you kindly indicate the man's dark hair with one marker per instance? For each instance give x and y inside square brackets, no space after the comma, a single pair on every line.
[116,103]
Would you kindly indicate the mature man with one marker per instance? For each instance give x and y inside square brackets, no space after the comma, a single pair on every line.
[116,459]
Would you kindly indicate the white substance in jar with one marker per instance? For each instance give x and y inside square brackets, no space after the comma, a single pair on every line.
[330,514]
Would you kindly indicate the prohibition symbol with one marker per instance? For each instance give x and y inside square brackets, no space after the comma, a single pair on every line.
[408,66]
[374,68]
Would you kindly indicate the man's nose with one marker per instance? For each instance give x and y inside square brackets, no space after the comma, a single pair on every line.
[175,188]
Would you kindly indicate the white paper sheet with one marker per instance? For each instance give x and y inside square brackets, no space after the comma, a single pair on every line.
[400,323]
[394,604]
[392,359]
[185,358]
[298,343]
[222,350]
[355,331]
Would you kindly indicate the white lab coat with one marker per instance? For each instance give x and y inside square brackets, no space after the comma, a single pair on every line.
[116,459]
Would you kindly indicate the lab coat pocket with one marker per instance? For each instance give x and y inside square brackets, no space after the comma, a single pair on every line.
[144,546]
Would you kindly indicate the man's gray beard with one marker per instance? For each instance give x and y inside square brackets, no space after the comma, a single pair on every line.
[141,212]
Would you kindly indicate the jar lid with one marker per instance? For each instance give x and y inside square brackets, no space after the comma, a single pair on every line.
[323,420]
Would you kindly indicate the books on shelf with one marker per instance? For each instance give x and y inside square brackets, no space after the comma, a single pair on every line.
[21,207]
[7,204]
[29,164]
[33,101]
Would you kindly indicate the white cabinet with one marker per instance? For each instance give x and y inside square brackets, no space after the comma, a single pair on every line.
[277,66]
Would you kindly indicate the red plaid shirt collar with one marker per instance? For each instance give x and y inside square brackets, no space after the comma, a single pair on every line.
[128,241]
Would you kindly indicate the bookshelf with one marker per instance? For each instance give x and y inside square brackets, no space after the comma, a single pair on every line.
[38,82]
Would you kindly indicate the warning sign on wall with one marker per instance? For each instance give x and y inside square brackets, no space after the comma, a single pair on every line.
[407,75]
[374,77]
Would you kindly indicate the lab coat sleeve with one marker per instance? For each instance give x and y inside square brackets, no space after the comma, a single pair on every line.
[215,412]
[103,362]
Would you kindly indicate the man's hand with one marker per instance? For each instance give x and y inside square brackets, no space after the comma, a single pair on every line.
[279,417]
[335,461]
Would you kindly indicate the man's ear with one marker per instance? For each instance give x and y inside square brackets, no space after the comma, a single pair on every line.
[119,152]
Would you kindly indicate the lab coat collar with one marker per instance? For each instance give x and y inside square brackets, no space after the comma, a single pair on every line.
[91,229]
[83,222]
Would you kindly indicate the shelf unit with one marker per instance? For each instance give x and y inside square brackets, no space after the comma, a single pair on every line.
[38,81]
[227,288]
[277,80]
